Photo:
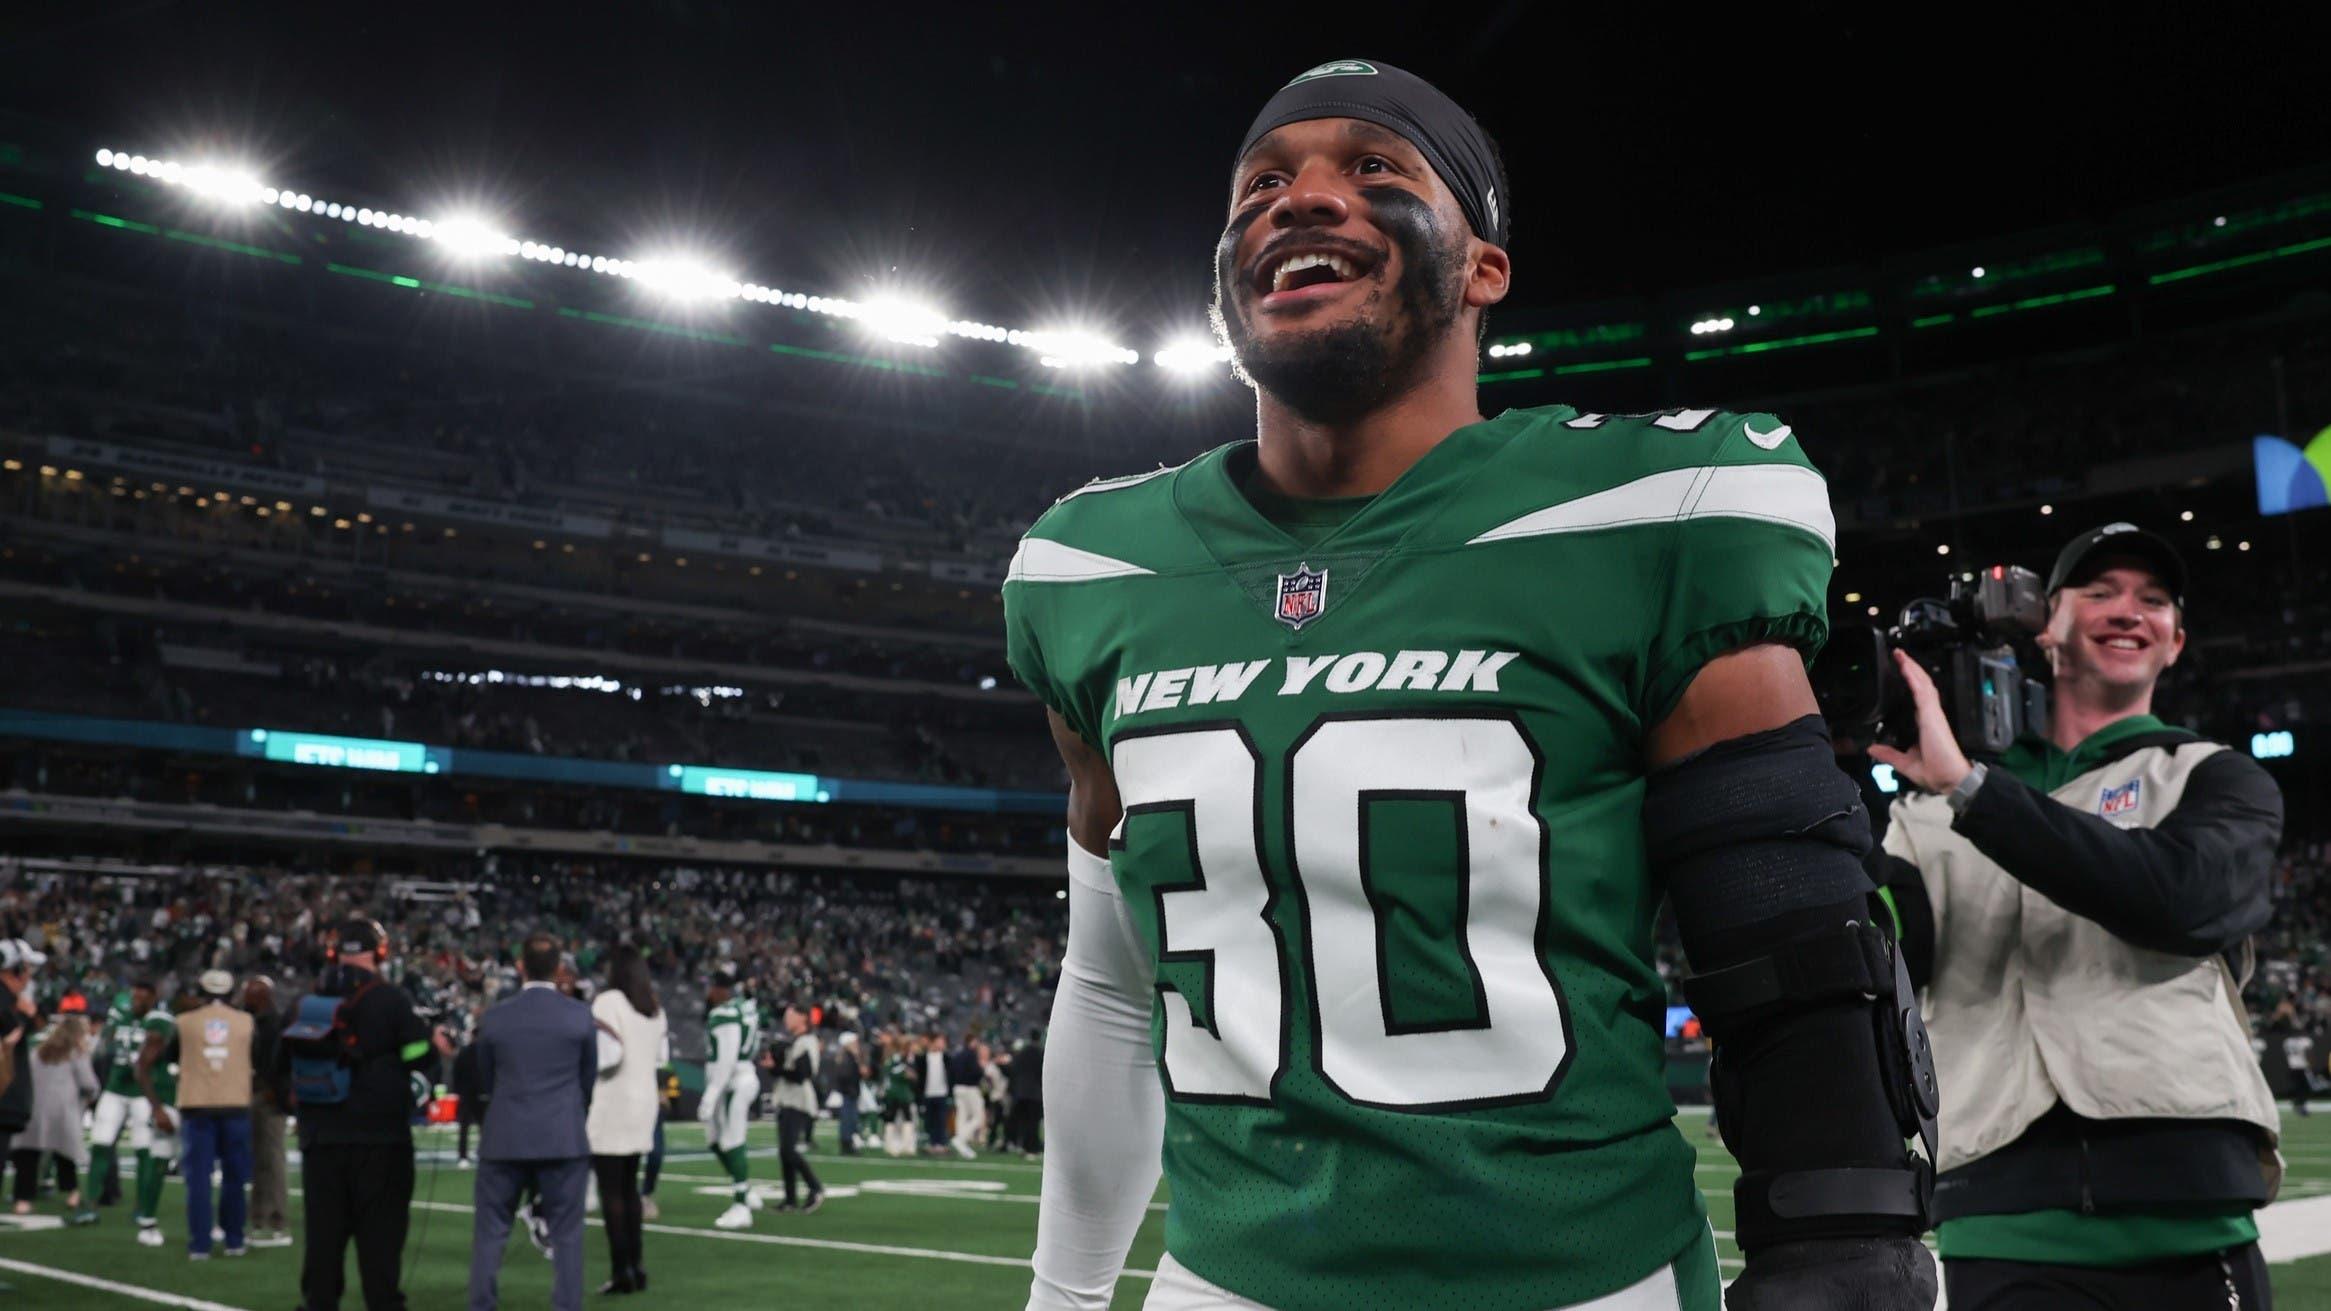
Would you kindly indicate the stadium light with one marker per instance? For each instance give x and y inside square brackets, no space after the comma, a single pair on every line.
[680,278]
[469,236]
[1504,349]
[1194,355]
[900,319]
[1074,348]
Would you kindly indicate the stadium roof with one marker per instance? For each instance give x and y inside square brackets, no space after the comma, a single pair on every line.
[1028,166]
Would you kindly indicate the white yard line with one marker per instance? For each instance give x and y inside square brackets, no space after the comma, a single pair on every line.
[109,1286]
[775,1240]
[2294,1231]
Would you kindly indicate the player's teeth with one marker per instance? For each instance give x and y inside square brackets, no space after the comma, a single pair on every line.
[1296,264]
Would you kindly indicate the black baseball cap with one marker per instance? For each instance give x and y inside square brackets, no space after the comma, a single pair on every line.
[2078,561]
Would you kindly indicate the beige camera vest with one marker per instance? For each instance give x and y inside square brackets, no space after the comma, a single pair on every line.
[2031,1004]
[214,1059]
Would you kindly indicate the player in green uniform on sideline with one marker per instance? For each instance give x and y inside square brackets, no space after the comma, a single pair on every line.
[121,1103]
[156,1073]
[733,1026]
[1387,732]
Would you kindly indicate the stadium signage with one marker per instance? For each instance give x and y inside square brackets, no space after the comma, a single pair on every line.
[341,752]
[179,468]
[2291,477]
[745,784]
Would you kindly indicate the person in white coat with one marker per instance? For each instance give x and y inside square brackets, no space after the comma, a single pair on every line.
[622,1123]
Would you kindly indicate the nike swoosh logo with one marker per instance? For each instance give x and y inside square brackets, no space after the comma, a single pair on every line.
[1767,440]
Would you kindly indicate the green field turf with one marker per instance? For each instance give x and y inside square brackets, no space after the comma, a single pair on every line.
[916,1233]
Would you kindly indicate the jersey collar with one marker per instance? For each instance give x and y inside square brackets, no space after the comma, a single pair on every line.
[1233,531]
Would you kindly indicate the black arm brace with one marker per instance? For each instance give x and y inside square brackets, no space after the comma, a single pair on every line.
[1822,1067]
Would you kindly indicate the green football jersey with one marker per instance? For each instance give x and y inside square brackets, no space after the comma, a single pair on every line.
[125,1037]
[159,1022]
[736,1020]
[1383,836]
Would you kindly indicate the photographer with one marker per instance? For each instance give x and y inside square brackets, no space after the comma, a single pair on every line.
[356,1119]
[2069,910]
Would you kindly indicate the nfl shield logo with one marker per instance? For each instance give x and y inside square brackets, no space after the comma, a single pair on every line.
[1302,595]
[2121,800]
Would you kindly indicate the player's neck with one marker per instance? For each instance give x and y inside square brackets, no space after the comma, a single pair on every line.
[1302,457]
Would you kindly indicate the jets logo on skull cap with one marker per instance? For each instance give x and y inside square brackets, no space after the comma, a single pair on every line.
[1337,68]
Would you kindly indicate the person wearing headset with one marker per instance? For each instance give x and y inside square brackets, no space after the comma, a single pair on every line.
[358,1152]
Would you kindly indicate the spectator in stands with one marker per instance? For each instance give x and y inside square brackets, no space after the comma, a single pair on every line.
[64,1088]
[622,1121]
[270,1104]
[214,1111]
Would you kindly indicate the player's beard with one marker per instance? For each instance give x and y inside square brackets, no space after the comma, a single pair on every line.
[1335,374]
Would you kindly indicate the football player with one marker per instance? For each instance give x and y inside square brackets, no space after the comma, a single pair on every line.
[732,1022]
[1387,733]
[157,1078]
[133,1018]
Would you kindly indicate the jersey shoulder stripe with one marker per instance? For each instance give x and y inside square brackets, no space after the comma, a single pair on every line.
[1595,471]
[1776,493]
[1041,560]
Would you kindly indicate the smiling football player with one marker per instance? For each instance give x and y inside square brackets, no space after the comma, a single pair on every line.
[1388,730]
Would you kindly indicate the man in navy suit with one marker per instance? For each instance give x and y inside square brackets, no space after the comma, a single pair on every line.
[537,1059]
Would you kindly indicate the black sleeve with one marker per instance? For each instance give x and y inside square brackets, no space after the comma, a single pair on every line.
[2195,884]
[406,1037]
[1905,889]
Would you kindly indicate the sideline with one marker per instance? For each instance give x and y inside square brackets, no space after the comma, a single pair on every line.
[109,1286]
[776,1240]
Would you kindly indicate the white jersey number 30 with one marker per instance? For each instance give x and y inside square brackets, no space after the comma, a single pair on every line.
[1486,771]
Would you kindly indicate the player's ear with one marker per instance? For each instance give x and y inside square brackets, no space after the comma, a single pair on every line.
[1491,276]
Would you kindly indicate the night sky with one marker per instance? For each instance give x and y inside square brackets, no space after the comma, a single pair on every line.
[1027,164]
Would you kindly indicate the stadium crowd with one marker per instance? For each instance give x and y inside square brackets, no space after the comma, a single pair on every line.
[873,952]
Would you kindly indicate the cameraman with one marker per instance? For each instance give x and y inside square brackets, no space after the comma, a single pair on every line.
[2070,911]
[357,1153]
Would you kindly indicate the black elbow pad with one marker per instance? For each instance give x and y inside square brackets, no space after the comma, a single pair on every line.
[1822,1067]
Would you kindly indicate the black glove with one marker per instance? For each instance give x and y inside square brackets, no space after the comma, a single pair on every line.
[1837,1274]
